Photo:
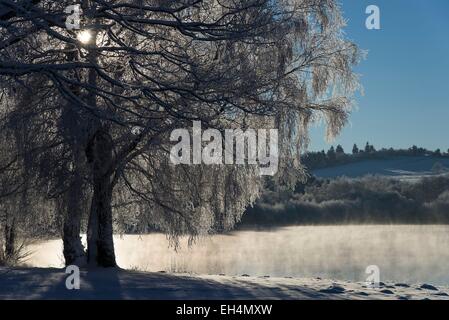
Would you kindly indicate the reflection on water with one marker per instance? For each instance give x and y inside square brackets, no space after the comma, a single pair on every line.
[410,254]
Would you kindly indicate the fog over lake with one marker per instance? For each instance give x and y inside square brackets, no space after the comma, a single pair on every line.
[411,254]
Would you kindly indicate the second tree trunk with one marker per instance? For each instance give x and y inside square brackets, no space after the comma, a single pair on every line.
[100,243]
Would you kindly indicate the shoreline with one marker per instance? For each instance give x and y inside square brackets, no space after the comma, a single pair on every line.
[120,284]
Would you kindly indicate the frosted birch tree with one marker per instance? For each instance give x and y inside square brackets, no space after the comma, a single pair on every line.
[103,100]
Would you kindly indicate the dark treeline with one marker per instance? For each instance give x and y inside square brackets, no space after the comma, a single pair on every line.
[338,156]
[371,199]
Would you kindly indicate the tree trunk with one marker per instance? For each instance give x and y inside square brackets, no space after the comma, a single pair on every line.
[73,200]
[10,240]
[2,251]
[100,243]
[74,253]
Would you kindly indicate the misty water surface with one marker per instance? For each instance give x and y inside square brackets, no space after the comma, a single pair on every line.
[412,254]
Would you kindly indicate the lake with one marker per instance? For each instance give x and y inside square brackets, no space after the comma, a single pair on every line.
[411,254]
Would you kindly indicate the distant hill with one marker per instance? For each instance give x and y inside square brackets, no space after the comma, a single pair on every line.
[412,162]
[395,166]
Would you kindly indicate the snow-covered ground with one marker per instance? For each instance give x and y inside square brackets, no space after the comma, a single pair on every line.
[400,167]
[37,283]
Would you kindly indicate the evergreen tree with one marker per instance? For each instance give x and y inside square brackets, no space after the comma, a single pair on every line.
[331,155]
[340,150]
[367,147]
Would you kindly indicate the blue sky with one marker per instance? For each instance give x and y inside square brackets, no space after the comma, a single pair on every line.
[405,76]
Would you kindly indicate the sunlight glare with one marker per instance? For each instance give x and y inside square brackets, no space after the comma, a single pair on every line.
[84,36]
